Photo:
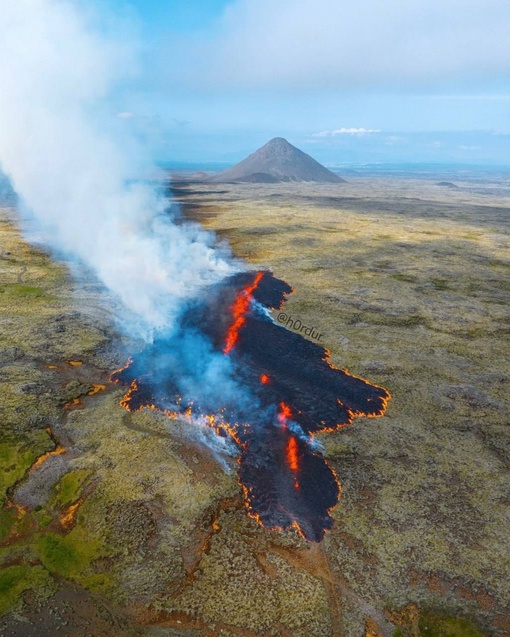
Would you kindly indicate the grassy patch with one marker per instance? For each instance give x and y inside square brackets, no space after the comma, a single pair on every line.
[74,390]
[399,285]
[407,278]
[439,284]
[16,456]
[404,320]
[19,290]
[68,489]
[70,556]
[8,521]
[15,580]
[441,626]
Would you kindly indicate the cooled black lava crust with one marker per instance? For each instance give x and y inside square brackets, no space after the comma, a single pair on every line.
[286,481]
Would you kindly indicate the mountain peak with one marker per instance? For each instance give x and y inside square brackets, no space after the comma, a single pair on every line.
[277,161]
[279,141]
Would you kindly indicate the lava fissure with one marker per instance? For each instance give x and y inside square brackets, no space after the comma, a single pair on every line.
[239,310]
[270,390]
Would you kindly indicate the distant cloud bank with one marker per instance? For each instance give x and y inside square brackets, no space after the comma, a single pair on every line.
[303,44]
[346,131]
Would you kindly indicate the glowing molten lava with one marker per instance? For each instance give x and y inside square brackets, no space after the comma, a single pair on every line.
[292,458]
[292,454]
[282,391]
[239,311]
[284,414]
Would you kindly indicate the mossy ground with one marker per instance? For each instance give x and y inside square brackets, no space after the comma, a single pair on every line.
[14,580]
[17,455]
[415,623]
[40,329]
[408,288]
[69,488]
[431,625]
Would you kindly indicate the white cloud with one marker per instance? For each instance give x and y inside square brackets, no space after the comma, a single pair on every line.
[125,115]
[300,44]
[346,131]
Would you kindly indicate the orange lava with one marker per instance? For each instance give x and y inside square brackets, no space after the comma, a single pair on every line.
[127,364]
[264,379]
[292,455]
[255,516]
[284,414]
[75,403]
[96,389]
[68,518]
[58,451]
[74,363]
[17,531]
[19,509]
[127,398]
[125,402]
[51,366]
[239,311]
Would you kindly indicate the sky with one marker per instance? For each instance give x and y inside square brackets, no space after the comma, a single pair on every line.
[404,80]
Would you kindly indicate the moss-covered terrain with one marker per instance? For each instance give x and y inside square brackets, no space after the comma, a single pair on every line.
[409,288]
[120,524]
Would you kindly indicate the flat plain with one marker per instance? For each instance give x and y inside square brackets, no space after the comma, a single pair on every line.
[125,524]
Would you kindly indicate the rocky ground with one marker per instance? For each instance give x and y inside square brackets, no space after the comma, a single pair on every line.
[126,524]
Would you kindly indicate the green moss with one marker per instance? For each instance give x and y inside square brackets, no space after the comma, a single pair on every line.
[8,520]
[19,290]
[74,390]
[504,285]
[15,580]
[441,626]
[439,284]
[404,320]
[499,264]
[43,518]
[16,456]
[408,278]
[68,489]
[100,583]
[70,556]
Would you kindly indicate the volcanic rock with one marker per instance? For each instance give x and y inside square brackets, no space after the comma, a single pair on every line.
[277,161]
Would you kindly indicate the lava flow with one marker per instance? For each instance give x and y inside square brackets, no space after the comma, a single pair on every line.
[239,310]
[266,387]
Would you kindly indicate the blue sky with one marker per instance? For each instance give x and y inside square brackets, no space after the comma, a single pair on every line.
[178,15]
[220,77]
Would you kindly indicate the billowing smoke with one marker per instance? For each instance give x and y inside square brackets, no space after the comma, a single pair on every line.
[217,357]
[74,171]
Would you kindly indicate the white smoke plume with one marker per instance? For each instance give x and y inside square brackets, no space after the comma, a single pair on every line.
[74,172]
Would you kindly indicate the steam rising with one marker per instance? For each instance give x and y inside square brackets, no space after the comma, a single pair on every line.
[71,169]
[75,173]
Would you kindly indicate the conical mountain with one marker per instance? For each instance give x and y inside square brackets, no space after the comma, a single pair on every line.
[277,161]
